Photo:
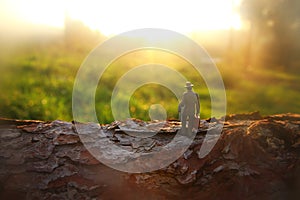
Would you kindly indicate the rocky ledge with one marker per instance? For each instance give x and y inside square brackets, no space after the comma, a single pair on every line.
[255,158]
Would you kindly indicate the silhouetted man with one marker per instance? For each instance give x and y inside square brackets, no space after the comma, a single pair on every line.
[189,109]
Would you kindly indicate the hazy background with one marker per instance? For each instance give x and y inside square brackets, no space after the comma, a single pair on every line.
[255,44]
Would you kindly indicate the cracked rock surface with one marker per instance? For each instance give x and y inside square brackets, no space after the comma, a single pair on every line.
[255,158]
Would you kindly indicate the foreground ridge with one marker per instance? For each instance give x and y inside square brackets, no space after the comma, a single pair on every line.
[255,158]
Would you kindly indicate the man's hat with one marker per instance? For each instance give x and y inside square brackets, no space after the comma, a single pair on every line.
[188,84]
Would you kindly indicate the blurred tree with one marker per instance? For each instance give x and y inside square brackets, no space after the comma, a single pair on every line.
[80,37]
[274,32]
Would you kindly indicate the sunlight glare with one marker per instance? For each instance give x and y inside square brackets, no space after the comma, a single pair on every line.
[38,12]
[184,16]
[115,16]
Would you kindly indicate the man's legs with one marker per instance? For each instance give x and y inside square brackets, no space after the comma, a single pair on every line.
[190,124]
[183,123]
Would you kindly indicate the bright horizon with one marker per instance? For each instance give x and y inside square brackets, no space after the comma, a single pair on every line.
[113,17]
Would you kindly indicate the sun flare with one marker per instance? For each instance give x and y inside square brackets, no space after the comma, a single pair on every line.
[115,16]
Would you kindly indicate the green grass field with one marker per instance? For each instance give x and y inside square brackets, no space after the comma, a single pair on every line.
[37,83]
